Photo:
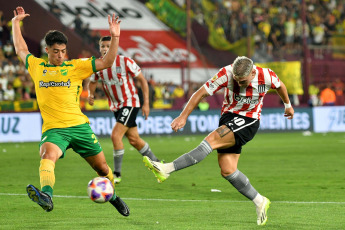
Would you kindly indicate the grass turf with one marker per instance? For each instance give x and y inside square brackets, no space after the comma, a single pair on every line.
[304,177]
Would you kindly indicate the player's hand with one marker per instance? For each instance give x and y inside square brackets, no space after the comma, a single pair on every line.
[19,14]
[91,99]
[289,112]
[114,25]
[178,123]
[146,110]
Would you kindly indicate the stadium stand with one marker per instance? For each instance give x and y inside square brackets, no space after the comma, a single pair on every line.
[277,36]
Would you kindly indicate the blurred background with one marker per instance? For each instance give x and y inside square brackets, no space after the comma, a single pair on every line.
[180,44]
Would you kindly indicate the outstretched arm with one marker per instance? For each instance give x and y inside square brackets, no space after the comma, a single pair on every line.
[18,41]
[108,59]
[180,121]
[145,88]
[282,92]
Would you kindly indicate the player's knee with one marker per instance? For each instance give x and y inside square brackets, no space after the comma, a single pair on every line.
[133,141]
[115,138]
[227,171]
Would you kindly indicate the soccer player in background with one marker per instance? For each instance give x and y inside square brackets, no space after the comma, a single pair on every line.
[58,85]
[118,84]
[245,87]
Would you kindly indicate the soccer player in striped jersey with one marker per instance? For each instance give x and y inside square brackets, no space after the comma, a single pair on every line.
[118,84]
[245,87]
[58,85]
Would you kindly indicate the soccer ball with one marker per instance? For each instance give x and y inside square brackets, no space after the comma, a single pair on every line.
[100,189]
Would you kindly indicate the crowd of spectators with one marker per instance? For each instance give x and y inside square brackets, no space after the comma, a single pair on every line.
[327,94]
[276,24]
[15,82]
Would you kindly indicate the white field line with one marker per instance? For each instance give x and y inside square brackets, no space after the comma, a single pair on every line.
[175,200]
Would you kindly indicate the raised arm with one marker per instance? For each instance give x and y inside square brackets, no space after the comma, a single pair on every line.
[18,41]
[145,88]
[180,121]
[108,59]
[282,92]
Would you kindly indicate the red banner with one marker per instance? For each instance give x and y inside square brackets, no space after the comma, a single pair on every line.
[156,47]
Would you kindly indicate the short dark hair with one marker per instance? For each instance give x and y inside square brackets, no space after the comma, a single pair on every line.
[105,38]
[54,36]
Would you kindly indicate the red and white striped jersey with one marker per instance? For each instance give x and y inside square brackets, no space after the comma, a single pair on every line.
[118,83]
[243,101]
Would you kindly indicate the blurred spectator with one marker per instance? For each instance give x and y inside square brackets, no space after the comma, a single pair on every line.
[327,96]
[339,88]
[178,92]
[314,95]
[55,10]
[9,93]
[77,24]
[3,81]
[20,69]
[203,105]
[8,50]
[289,34]
[86,31]
[9,67]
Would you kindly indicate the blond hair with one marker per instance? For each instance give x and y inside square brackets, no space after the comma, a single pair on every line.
[242,66]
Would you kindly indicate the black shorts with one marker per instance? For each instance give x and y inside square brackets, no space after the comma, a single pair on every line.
[244,129]
[127,116]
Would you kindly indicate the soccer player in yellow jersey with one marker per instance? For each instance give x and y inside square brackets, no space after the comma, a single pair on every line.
[58,85]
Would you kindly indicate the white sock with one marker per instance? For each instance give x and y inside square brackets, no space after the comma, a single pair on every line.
[258,200]
[169,167]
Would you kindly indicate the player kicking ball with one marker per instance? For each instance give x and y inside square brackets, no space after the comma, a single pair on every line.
[58,85]
[245,87]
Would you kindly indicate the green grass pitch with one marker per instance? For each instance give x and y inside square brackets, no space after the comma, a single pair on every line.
[303,176]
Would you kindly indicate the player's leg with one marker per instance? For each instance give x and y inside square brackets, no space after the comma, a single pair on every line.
[222,137]
[49,153]
[228,165]
[138,143]
[99,164]
[116,136]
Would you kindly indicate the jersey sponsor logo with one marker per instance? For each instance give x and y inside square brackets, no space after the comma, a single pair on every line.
[114,82]
[53,72]
[245,100]
[261,88]
[118,69]
[64,72]
[55,84]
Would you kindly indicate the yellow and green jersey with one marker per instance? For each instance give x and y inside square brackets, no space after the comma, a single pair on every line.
[58,90]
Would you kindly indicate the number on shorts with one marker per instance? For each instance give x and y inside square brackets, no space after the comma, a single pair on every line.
[239,121]
[125,112]
[93,136]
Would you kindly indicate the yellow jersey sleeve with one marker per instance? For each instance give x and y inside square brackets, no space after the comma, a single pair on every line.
[85,66]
